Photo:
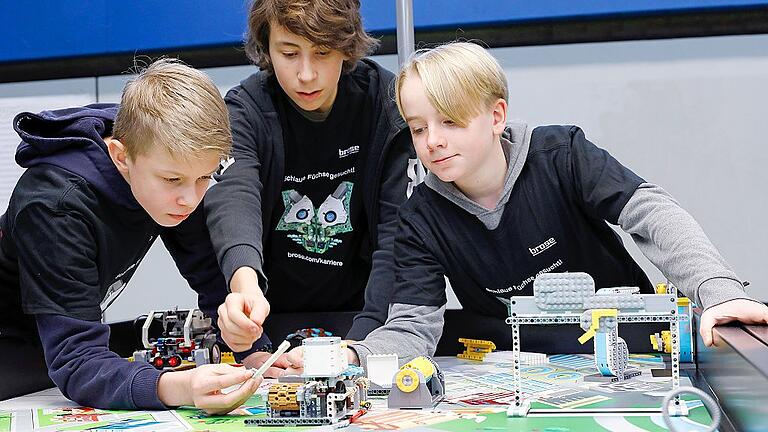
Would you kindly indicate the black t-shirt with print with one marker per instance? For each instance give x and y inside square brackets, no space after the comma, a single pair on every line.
[315,258]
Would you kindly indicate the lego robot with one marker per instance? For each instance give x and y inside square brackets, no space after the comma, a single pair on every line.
[330,391]
[186,334]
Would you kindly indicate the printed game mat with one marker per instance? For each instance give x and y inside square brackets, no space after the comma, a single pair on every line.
[477,396]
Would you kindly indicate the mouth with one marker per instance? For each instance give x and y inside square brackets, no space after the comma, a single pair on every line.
[178,217]
[443,160]
[309,95]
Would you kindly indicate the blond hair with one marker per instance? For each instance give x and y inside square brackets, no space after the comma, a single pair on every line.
[333,24]
[460,79]
[175,107]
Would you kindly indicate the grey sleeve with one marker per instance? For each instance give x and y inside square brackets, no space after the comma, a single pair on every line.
[392,193]
[233,204]
[410,331]
[675,243]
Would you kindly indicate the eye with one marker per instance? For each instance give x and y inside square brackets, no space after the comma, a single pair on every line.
[171,179]
[323,53]
[449,123]
[206,177]
[289,54]
[417,130]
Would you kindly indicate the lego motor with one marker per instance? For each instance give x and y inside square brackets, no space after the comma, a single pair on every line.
[418,384]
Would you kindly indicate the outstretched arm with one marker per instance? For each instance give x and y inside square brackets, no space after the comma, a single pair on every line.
[673,241]
[392,193]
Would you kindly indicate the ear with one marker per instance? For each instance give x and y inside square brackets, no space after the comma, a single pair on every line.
[118,155]
[499,113]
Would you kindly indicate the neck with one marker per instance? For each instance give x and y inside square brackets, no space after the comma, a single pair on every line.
[486,184]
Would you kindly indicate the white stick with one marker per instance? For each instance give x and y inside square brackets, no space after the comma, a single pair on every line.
[272,359]
[260,371]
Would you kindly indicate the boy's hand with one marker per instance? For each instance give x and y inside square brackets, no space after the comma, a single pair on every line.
[352,357]
[201,387]
[743,310]
[242,315]
[278,368]
[295,358]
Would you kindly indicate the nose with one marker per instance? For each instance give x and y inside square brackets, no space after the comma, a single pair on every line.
[188,197]
[434,139]
[307,70]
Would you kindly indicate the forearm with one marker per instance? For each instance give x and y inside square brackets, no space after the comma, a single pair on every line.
[81,365]
[392,194]
[675,243]
[410,331]
[173,389]
[245,280]
[233,205]
[377,296]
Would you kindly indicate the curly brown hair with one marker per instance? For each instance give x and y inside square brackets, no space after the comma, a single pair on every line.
[333,24]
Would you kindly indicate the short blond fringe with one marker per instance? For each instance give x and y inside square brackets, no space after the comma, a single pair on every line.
[175,107]
[460,79]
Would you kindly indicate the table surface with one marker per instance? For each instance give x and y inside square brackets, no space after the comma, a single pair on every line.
[477,395]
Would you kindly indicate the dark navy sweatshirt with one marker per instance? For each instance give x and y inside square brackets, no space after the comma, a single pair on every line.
[70,240]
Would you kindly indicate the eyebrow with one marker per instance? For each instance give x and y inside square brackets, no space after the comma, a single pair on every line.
[178,174]
[283,44]
[408,119]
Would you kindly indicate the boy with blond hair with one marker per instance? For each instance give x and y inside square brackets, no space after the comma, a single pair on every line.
[320,155]
[102,183]
[496,193]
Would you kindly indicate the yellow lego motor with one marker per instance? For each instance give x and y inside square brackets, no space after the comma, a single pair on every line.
[418,384]
[407,379]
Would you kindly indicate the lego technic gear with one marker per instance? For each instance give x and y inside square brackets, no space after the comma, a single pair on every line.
[185,334]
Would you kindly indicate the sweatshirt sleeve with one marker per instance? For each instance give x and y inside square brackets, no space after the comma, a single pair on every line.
[410,331]
[392,193]
[86,371]
[675,243]
[233,203]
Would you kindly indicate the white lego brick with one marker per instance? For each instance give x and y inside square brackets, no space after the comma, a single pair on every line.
[324,357]
[381,368]
[531,358]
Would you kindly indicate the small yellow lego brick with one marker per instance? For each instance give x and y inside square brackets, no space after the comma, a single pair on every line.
[661,288]
[475,349]
[228,357]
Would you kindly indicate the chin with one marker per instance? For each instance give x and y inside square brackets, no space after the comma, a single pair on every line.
[447,177]
[166,222]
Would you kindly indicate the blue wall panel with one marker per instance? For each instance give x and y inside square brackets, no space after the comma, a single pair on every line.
[32,30]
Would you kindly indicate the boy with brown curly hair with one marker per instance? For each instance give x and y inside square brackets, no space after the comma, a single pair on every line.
[320,158]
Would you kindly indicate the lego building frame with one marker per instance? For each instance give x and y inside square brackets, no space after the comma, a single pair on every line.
[570,298]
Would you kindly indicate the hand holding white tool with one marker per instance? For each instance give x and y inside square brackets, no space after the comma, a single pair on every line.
[263,368]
